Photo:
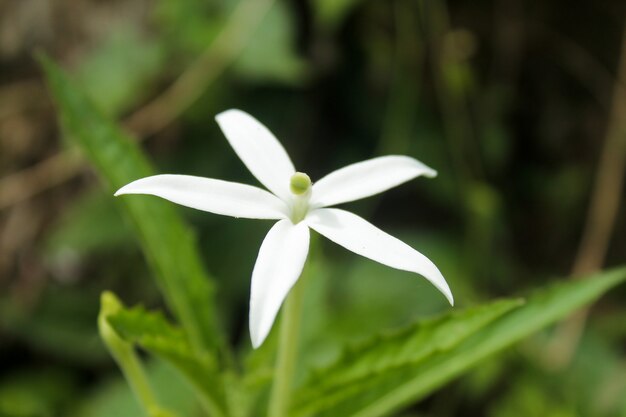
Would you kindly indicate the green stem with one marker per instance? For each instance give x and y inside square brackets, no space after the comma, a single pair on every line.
[136,377]
[287,351]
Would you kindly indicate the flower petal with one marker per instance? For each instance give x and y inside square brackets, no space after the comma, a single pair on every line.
[366,178]
[278,266]
[259,150]
[355,234]
[207,194]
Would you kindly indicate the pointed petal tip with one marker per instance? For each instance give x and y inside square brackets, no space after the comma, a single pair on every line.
[121,191]
[441,285]
[258,334]
[256,342]
[127,189]
[256,337]
[450,299]
[445,290]
[426,171]
[131,187]
[228,112]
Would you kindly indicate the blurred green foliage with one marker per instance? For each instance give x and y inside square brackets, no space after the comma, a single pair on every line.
[508,123]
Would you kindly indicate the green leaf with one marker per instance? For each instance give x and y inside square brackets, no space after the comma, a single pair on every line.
[410,345]
[407,347]
[152,332]
[167,242]
[399,378]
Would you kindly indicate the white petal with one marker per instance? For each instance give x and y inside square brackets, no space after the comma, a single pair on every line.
[259,150]
[278,267]
[207,194]
[355,234]
[366,178]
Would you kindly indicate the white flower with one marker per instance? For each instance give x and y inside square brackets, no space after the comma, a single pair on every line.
[297,205]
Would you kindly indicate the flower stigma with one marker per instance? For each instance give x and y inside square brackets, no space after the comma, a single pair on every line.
[300,186]
[300,183]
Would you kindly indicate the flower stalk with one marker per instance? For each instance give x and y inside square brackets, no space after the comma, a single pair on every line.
[287,351]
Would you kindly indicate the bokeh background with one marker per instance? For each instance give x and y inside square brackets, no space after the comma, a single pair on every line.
[519,105]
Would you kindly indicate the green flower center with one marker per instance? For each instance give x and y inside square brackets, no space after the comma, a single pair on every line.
[300,183]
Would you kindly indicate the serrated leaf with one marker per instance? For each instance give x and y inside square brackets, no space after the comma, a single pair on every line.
[152,332]
[137,325]
[410,345]
[167,242]
[388,389]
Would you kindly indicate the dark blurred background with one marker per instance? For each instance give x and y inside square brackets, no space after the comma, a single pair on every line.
[519,105]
